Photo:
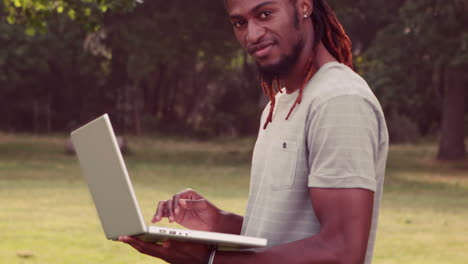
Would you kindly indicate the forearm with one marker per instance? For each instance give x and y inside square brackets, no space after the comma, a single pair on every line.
[307,251]
[345,217]
[229,223]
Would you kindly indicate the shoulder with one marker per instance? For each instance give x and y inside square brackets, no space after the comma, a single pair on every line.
[335,83]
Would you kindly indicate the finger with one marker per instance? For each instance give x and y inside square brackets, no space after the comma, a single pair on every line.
[170,211]
[166,244]
[144,247]
[188,194]
[185,194]
[193,204]
[175,204]
[129,241]
[194,195]
[160,212]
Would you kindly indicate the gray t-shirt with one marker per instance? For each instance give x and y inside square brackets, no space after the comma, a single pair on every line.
[336,138]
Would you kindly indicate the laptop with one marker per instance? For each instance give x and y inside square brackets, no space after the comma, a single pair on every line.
[114,198]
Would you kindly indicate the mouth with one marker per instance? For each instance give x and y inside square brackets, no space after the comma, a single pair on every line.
[261,50]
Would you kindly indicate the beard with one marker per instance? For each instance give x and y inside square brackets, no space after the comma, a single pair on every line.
[283,67]
[286,63]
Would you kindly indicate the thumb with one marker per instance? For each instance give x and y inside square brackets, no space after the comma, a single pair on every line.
[193,204]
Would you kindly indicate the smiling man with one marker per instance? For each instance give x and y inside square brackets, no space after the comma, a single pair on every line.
[319,160]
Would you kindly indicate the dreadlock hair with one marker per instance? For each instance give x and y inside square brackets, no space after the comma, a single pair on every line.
[330,32]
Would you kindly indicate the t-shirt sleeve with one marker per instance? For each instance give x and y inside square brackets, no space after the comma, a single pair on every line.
[343,143]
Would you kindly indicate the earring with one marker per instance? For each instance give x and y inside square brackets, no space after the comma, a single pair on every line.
[305,15]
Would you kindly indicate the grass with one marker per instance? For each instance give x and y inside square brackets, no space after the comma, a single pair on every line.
[47,216]
[424,208]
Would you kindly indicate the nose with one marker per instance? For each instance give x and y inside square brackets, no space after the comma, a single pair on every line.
[254,33]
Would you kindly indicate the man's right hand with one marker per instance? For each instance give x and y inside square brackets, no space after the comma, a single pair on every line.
[191,210]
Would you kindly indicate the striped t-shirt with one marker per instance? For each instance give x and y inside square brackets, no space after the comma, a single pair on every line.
[336,138]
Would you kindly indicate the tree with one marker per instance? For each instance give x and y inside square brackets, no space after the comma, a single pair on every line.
[452,137]
[427,39]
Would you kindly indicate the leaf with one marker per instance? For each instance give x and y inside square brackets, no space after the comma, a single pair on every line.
[30,31]
[104,8]
[72,14]
[11,20]
[17,3]
[87,12]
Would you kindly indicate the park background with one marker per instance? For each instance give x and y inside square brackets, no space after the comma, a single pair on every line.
[178,87]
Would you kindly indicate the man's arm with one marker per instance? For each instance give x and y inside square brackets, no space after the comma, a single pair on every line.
[345,216]
[231,223]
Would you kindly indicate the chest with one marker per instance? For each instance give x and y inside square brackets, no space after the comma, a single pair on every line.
[280,154]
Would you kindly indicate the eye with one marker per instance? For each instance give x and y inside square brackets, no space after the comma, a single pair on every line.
[265,14]
[238,23]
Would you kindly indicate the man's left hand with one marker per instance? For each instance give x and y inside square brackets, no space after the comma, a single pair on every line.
[170,251]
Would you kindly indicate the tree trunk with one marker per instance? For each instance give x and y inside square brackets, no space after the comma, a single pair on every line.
[36,122]
[452,136]
[138,105]
[156,86]
[49,114]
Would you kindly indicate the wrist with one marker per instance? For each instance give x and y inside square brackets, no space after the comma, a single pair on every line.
[220,221]
[228,223]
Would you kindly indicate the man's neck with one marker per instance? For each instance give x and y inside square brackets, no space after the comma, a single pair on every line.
[296,78]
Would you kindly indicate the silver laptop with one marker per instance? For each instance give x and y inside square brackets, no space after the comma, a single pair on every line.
[116,204]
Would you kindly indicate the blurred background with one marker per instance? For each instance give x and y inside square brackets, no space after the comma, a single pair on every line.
[176,83]
[175,67]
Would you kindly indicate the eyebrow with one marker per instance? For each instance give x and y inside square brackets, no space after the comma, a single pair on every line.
[257,7]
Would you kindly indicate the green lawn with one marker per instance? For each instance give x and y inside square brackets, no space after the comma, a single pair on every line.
[47,216]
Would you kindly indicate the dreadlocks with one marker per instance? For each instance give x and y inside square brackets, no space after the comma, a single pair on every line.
[328,30]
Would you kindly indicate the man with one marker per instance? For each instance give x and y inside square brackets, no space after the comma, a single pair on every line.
[319,160]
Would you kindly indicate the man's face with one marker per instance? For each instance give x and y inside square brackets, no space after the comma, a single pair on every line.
[269,31]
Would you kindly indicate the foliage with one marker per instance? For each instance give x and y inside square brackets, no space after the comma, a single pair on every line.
[407,55]
[44,75]
[35,13]
[363,19]
[174,66]
[160,66]
[177,61]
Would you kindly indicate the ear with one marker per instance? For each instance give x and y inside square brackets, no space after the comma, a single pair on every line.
[306,8]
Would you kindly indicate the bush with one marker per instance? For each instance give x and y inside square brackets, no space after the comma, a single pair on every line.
[402,129]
